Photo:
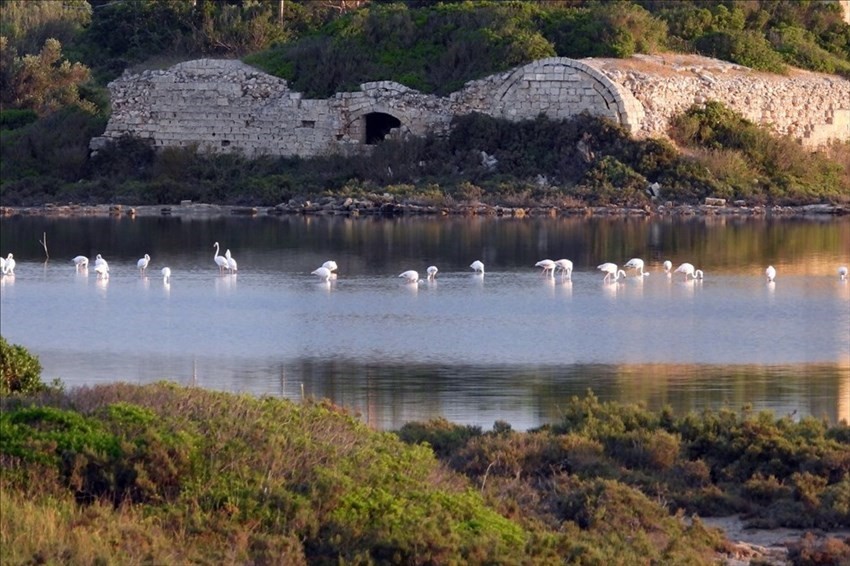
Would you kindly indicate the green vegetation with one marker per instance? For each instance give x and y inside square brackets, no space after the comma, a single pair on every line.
[58,55]
[162,473]
[747,162]
[436,47]
[584,159]
[20,371]
[775,471]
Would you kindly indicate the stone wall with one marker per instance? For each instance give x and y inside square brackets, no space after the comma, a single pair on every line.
[813,108]
[227,106]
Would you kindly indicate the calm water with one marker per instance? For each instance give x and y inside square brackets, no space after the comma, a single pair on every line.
[509,345]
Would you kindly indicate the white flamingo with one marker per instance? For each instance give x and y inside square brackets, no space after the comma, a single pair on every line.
[770,272]
[231,262]
[432,272]
[548,266]
[220,260]
[8,266]
[410,276]
[330,265]
[689,271]
[611,271]
[668,265]
[142,264]
[166,275]
[102,269]
[81,262]
[636,263]
[566,267]
[98,260]
[322,273]
[842,273]
[477,266]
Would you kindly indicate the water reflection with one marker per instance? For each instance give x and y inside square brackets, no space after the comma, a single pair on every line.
[102,283]
[225,285]
[530,397]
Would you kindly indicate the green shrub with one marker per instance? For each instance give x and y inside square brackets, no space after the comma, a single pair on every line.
[442,436]
[55,146]
[12,118]
[799,47]
[735,158]
[743,47]
[20,371]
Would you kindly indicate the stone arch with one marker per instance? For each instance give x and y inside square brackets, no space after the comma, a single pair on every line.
[560,87]
[376,126]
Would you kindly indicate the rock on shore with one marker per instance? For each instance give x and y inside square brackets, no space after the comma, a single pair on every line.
[389,206]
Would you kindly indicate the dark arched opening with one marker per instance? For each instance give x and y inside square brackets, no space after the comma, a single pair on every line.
[378,125]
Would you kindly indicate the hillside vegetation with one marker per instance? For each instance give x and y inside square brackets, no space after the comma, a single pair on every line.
[165,474]
[57,56]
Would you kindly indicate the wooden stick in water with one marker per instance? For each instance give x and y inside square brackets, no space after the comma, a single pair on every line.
[43,243]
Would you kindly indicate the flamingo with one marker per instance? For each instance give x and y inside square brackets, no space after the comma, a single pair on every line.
[432,272]
[548,266]
[770,272]
[566,267]
[231,263]
[81,262]
[8,266]
[220,260]
[330,265]
[668,265]
[477,266]
[102,270]
[322,273]
[842,273]
[689,271]
[98,260]
[636,263]
[142,264]
[410,276]
[610,270]
[166,275]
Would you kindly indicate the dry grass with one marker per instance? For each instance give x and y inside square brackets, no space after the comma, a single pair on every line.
[57,530]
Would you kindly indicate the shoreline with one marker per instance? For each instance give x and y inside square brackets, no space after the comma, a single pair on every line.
[391,207]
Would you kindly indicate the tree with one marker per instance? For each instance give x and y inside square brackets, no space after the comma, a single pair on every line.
[45,82]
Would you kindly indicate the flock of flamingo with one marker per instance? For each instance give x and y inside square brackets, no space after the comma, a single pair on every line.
[224,262]
[327,271]
[551,267]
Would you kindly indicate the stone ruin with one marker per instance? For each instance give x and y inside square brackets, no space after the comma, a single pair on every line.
[226,106]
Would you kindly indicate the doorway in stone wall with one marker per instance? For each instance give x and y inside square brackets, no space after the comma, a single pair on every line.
[378,125]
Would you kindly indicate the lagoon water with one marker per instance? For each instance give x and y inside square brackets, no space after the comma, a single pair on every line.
[510,345]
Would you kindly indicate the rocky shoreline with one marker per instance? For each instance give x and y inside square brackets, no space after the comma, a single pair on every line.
[389,206]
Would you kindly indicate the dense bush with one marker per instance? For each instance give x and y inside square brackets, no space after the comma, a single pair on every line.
[433,49]
[583,159]
[20,371]
[743,47]
[212,477]
[779,472]
[13,119]
[753,164]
